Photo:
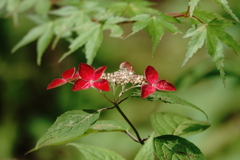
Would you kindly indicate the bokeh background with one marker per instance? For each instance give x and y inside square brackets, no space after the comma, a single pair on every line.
[27,109]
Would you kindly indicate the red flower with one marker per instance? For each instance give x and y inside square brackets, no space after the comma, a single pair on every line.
[90,78]
[153,83]
[67,76]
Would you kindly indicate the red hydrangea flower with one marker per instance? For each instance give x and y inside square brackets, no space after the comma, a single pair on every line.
[67,76]
[90,78]
[152,78]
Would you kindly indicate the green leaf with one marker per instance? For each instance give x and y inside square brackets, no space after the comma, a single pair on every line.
[65,11]
[87,32]
[96,153]
[107,126]
[171,147]
[166,98]
[93,44]
[42,7]
[3,3]
[198,35]
[68,127]
[224,5]
[116,30]
[147,150]
[192,4]
[155,26]
[32,35]
[25,5]
[44,41]
[172,124]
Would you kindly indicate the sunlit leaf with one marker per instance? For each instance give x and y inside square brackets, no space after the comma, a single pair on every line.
[25,5]
[172,124]
[32,35]
[192,4]
[166,98]
[65,11]
[146,152]
[68,127]
[44,41]
[96,153]
[224,5]
[171,147]
[198,35]
[116,30]
[42,7]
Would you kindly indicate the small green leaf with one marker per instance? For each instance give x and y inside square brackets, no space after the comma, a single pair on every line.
[96,153]
[93,44]
[25,5]
[198,35]
[65,11]
[171,147]
[116,30]
[107,126]
[42,7]
[224,5]
[192,4]
[147,150]
[32,35]
[166,98]
[172,124]
[68,127]
[44,41]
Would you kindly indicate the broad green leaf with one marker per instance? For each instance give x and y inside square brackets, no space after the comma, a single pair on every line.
[44,41]
[166,98]
[147,150]
[171,147]
[198,35]
[116,30]
[93,44]
[68,127]
[96,153]
[224,5]
[42,6]
[172,124]
[32,35]
[192,4]
[107,126]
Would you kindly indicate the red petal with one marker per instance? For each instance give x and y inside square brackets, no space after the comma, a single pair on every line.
[164,85]
[102,84]
[56,83]
[146,90]
[98,72]
[127,66]
[151,75]
[86,71]
[68,73]
[76,76]
[81,84]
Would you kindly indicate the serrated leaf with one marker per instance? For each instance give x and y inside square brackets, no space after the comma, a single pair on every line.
[32,35]
[224,5]
[64,11]
[93,44]
[166,98]
[172,124]
[42,7]
[171,147]
[68,127]
[116,30]
[198,35]
[107,126]
[96,153]
[44,41]
[80,40]
[147,151]
[192,4]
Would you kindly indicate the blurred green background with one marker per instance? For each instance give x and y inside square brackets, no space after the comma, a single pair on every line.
[27,109]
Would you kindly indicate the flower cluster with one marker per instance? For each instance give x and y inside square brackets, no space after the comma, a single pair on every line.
[87,77]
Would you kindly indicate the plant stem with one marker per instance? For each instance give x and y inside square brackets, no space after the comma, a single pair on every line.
[130,123]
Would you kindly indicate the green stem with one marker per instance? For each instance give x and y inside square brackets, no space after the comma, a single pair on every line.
[130,123]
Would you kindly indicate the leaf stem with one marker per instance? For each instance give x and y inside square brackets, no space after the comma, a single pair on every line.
[130,123]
